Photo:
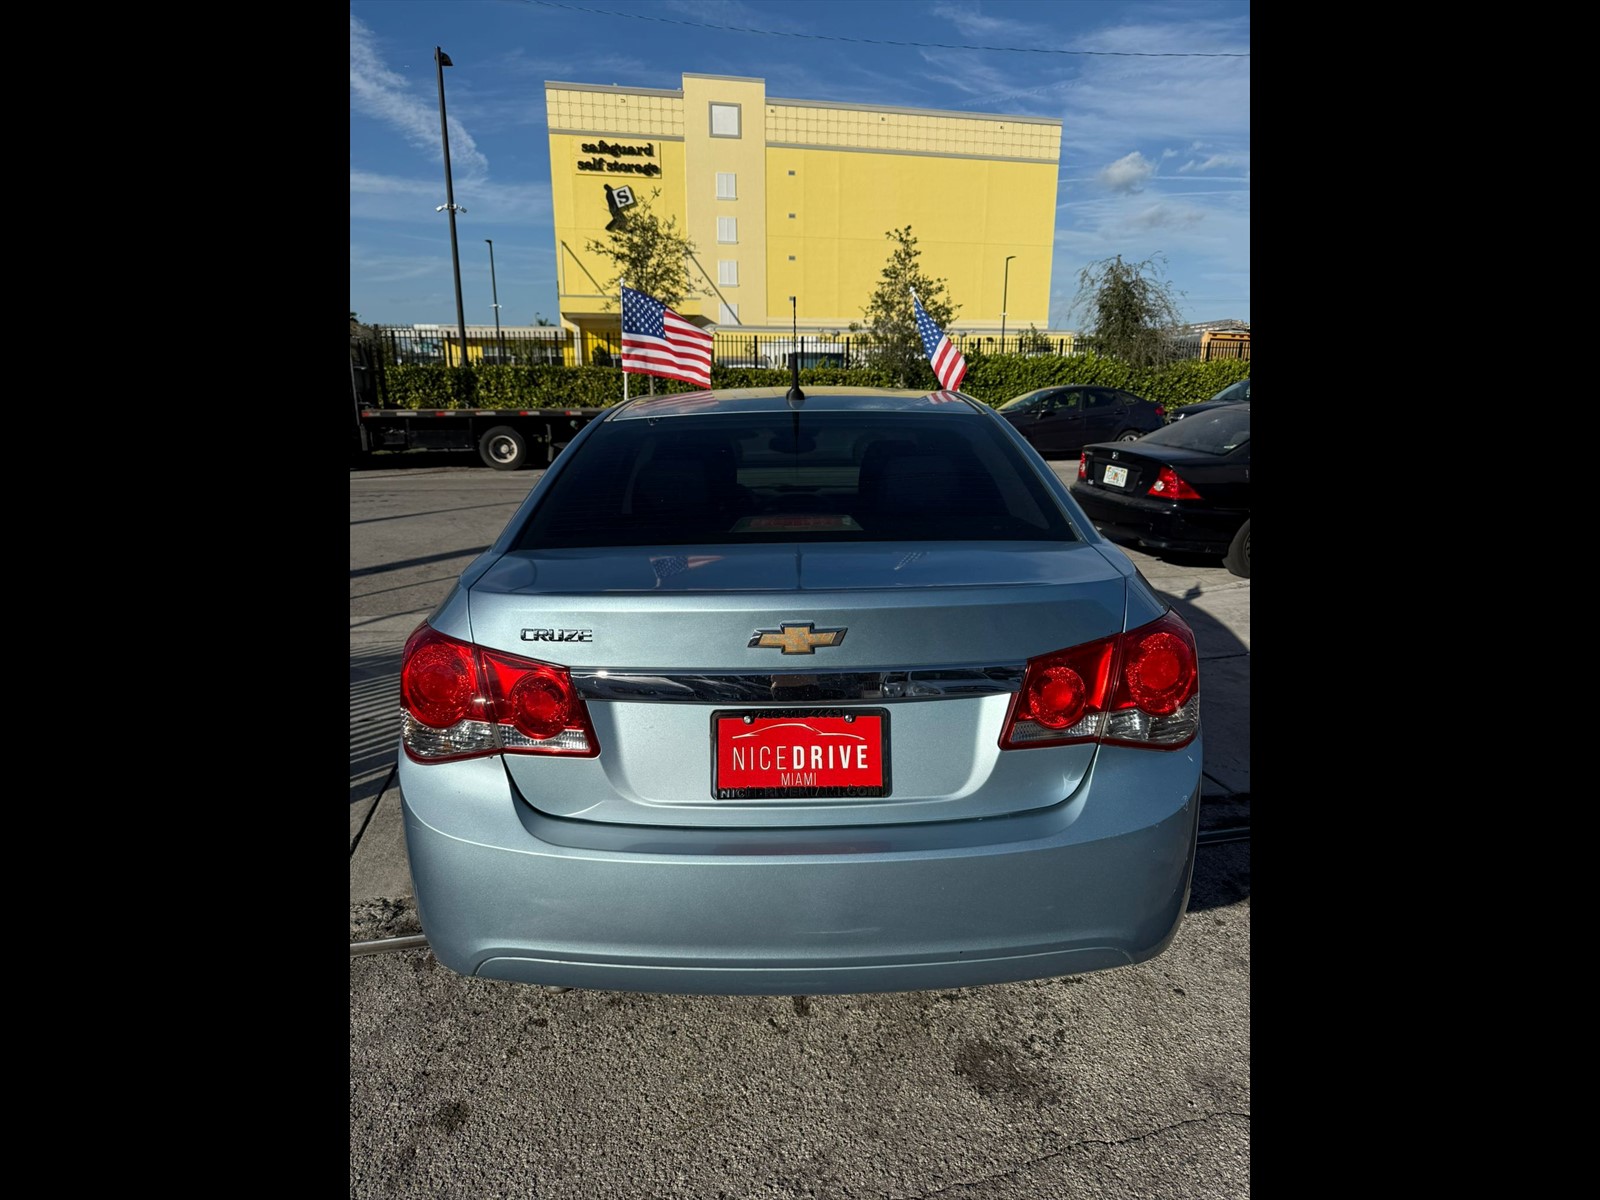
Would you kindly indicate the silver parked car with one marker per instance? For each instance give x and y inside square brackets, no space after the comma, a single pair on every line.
[799,693]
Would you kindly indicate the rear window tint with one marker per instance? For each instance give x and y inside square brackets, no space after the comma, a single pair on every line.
[1215,431]
[824,477]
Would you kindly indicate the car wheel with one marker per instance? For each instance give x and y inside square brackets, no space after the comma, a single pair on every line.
[1129,435]
[1237,559]
[503,448]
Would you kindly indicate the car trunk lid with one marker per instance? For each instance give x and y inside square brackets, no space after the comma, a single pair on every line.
[661,641]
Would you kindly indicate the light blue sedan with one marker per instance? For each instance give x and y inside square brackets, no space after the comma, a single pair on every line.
[799,693]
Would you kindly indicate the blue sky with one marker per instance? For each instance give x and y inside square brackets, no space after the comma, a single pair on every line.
[1155,153]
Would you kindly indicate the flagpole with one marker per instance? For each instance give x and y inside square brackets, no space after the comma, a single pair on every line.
[620,301]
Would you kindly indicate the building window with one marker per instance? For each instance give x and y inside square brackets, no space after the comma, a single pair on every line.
[725,120]
[728,229]
[727,314]
[791,258]
[728,272]
[791,172]
[727,188]
[791,216]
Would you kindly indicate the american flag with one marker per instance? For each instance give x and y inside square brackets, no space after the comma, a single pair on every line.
[948,364]
[657,341]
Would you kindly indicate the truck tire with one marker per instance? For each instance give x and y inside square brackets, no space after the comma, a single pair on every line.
[503,448]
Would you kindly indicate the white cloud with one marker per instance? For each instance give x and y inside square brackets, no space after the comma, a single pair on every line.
[380,93]
[971,23]
[389,197]
[1128,173]
[1216,160]
[1166,216]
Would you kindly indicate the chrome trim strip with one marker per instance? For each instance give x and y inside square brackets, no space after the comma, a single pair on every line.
[809,687]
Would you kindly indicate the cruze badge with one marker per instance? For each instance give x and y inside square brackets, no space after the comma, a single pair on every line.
[558,635]
[796,637]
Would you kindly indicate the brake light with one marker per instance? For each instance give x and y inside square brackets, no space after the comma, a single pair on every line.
[1161,411]
[1168,486]
[1140,688]
[1083,466]
[459,700]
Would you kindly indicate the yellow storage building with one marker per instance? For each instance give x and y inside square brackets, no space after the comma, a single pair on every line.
[795,198]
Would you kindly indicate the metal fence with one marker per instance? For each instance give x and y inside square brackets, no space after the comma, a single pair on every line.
[402,344]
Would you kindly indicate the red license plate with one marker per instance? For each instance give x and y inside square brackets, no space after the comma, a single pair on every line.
[805,754]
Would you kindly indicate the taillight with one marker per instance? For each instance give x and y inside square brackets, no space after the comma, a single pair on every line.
[1083,466]
[459,701]
[1169,486]
[1161,412]
[1140,688]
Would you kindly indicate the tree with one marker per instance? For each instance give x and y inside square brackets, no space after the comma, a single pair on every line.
[650,255]
[890,320]
[1033,342]
[1131,313]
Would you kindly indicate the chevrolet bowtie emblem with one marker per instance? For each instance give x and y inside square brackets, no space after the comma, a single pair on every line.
[796,637]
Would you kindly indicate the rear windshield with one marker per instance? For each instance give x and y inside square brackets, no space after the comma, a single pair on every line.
[811,477]
[1215,431]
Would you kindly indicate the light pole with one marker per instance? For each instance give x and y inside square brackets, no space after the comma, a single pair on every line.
[1005,287]
[498,336]
[441,61]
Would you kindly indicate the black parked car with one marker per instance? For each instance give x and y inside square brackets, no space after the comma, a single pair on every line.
[1231,394]
[1184,487]
[1063,420]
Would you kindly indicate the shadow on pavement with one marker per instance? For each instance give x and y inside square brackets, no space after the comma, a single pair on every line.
[374,720]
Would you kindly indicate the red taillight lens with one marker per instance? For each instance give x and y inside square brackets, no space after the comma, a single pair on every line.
[438,682]
[535,698]
[1169,486]
[1161,412]
[1139,689]
[459,700]
[1083,466]
[1057,697]
[540,707]
[1062,697]
[1160,673]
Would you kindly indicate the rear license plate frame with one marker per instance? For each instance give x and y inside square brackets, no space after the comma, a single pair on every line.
[832,720]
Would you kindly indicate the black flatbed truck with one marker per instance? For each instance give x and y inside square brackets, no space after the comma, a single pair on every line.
[507,439]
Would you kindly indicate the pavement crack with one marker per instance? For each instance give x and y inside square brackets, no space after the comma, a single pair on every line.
[1068,1149]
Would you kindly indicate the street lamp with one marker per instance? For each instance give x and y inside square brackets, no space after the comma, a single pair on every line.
[498,336]
[441,61]
[1005,287]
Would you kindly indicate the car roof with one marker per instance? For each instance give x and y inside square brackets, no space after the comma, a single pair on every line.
[775,400]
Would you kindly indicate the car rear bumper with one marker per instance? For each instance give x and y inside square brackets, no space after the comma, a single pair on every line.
[1100,880]
[1157,524]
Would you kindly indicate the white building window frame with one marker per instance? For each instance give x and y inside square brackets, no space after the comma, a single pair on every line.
[728,231]
[721,113]
[727,185]
[727,314]
[727,272]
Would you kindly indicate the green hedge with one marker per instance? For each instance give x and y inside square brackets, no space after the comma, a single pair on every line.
[993,379]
